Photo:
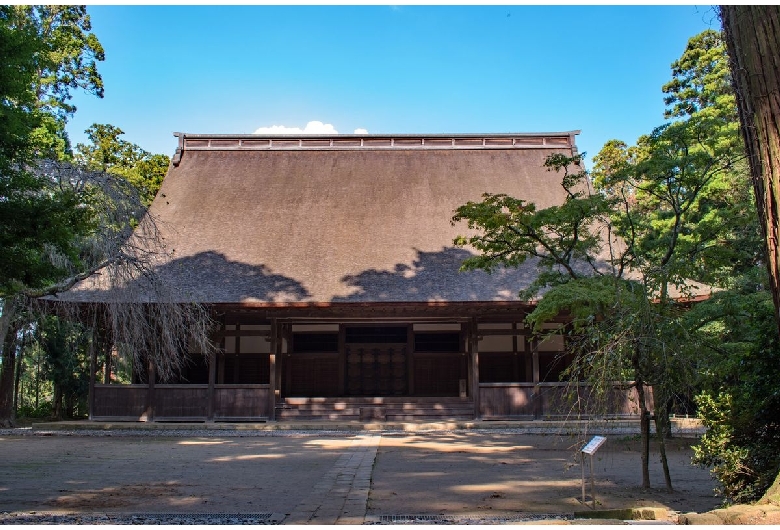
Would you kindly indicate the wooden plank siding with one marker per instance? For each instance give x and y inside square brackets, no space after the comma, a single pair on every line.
[506,400]
[120,402]
[181,402]
[241,402]
[555,401]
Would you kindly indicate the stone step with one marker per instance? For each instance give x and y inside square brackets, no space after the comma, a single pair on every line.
[404,417]
[371,408]
[368,400]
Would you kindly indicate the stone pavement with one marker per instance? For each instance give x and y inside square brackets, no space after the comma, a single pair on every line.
[341,495]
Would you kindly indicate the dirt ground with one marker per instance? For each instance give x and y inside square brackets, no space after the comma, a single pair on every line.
[508,473]
[430,473]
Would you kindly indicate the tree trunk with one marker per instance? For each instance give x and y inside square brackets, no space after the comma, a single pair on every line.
[753,43]
[644,428]
[7,371]
[6,317]
[661,427]
[57,401]
[17,380]
[772,495]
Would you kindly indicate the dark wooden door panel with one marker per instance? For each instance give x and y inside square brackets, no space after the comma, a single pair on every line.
[376,370]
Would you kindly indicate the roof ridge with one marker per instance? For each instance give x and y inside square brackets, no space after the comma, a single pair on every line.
[381,142]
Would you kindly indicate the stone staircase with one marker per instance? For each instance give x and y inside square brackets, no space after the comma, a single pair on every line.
[375,408]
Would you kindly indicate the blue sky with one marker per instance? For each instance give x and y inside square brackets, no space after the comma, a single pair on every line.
[386,69]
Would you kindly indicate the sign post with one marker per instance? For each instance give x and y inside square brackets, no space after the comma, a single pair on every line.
[589,449]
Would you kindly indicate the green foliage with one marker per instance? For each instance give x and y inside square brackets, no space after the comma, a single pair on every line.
[619,334]
[110,153]
[69,56]
[676,189]
[18,114]
[40,224]
[64,60]
[701,80]
[564,239]
[670,211]
[66,348]
[42,411]
[739,401]
[46,53]
[148,175]
[587,301]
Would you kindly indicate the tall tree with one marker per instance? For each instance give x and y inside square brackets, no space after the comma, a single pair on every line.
[753,42]
[661,219]
[47,53]
[70,55]
[39,222]
[59,223]
[66,62]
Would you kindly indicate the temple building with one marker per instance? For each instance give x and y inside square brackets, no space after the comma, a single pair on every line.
[329,264]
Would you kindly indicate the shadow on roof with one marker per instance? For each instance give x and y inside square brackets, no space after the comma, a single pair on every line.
[435,276]
[207,277]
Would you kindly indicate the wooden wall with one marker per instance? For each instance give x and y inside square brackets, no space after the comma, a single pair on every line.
[555,401]
[181,402]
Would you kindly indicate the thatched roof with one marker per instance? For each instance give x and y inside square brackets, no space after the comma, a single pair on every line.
[255,219]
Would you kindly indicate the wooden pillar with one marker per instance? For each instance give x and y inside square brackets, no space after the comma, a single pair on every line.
[92,370]
[342,346]
[283,335]
[515,353]
[107,371]
[237,351]
[474,347]
[537,389]
[410,359]
[150,393]
[212,382]
[272,370]
[288,361]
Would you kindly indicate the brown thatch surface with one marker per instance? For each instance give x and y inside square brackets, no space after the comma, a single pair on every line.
[336,225]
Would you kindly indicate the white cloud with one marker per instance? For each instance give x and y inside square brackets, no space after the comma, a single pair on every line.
[313,127]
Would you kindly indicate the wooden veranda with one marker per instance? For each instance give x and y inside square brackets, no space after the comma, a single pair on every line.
[385,369]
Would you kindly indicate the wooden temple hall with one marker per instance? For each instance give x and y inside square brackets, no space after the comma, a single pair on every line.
[329,264]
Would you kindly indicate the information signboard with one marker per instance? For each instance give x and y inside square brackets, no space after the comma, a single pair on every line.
[593,445]
[588,449]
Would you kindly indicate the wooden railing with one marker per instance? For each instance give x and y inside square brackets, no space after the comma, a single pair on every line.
[180,402]
[241,402]
[121,402]
[556,401]
[248,402]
